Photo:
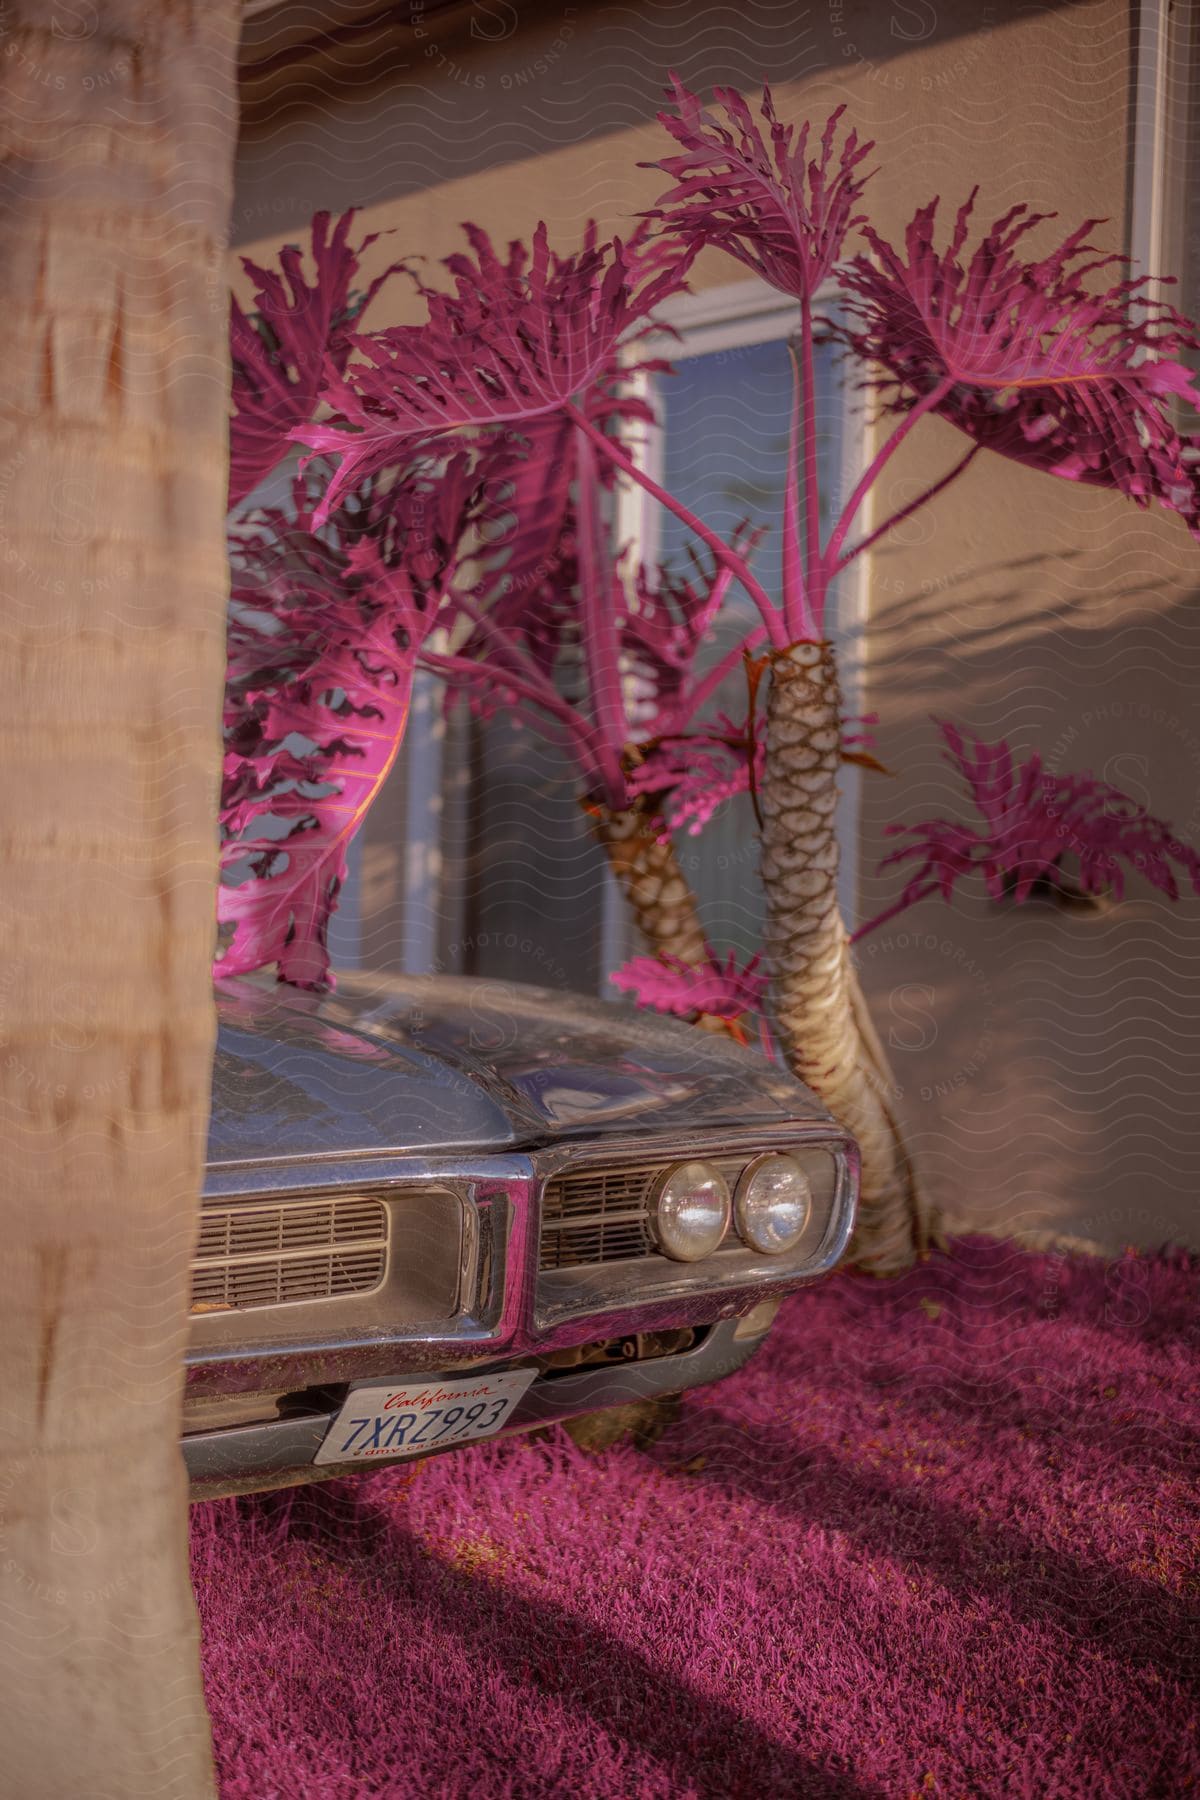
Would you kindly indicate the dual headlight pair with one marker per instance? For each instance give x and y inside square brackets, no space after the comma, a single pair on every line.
[691,1207]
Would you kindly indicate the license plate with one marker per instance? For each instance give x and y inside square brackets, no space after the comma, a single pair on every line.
[378,1424]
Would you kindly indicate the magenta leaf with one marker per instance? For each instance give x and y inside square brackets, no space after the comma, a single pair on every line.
[1031,821]
[516,339]
[667,985]
[689,777]
[666,621]
[283,351]
[1038,363]
[558,614]
[531,647]
[784,216]
[326,628]
[528,560]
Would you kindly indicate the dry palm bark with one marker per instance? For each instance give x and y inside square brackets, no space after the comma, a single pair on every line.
[819,1012]
[659,894]
[662,903]
[118,122]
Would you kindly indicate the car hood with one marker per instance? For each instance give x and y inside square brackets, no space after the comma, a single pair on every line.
[439,1063]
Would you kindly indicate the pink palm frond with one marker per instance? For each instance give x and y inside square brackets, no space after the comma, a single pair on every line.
[552,604]
[542,636]
[689,777]
[723,990]
[527,560]
[1031,358]
[283,351]
[517,339]
[528,551]
[1031,820]
[782,214]
[324,639]
[666,619]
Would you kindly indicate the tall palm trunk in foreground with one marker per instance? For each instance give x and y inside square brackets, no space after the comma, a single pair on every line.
[118,128]
[819,1013]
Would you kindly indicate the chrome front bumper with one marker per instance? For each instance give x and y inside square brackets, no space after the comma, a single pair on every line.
[506,1307]
[279,1452]
[264,1386]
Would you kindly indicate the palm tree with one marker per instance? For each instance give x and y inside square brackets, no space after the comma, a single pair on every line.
[118,127]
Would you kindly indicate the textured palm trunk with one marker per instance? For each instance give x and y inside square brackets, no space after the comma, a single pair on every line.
[118,123]
[659,895]
[820,1014]
[662,902]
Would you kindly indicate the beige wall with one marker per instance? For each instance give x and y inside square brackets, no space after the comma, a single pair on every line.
[1049,1061]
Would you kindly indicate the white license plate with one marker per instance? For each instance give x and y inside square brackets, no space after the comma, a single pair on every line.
[378,1424]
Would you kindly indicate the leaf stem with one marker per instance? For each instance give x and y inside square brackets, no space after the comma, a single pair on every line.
[705,689]
[796,610]
[771,616]
[906,512]
[599,625]
[906,900]
[878,463]
[813,592]
[465,668]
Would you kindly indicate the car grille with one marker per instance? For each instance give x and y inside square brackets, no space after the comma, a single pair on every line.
[601,1215]
[255,1255]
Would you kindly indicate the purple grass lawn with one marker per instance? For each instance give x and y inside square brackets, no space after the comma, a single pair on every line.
[938,1538]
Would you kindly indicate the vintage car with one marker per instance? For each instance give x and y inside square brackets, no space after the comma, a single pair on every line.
[436,1210]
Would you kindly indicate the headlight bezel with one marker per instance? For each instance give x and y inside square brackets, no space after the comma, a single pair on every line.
[592,1296]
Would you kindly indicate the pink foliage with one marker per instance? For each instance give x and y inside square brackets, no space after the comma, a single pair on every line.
[519,372]
[666,619]
[323,644]
[283,352]
[784,216]
[1032,819]
[532,657]
[527,564]
[667,985]
[1035,361]
[568,635]
[691,776]
[517,339]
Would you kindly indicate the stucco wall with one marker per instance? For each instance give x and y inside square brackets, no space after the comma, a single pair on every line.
[1049,1061]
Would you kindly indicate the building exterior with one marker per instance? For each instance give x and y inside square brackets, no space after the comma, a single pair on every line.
[1049,1060]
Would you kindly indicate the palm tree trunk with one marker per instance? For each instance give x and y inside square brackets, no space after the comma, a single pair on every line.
[656,888]
[118,122]
[659,895]
[819,1011]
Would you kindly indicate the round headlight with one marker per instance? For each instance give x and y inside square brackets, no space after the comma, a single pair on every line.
[773,1204]
[689,1213]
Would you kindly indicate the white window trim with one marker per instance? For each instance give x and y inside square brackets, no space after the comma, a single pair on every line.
[1153,43]
[732,316]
